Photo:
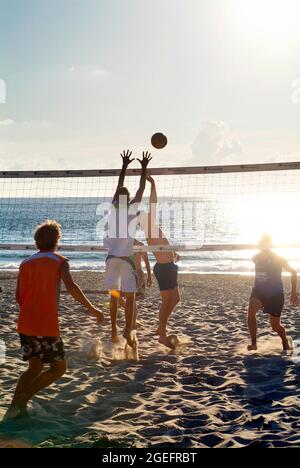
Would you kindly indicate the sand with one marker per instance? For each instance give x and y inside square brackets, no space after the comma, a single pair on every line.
[207,393]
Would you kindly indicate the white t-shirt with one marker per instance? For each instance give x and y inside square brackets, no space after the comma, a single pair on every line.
[121,231]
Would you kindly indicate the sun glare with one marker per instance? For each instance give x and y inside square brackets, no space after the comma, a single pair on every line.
[268,214]
[275,20]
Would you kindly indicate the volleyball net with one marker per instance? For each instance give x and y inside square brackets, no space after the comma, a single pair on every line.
[212,208]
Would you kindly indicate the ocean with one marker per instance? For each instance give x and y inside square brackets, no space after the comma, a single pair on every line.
[186,222]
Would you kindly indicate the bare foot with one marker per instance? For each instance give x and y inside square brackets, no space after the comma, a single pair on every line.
[14,412]
[288,344]
[115,338]
[252,347]
[165,342]
[128,336]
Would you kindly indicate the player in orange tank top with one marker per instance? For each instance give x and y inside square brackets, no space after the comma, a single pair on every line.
[38,292]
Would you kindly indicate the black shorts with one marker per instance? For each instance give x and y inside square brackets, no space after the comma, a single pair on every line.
[271,305]
[47,349]
[166,275]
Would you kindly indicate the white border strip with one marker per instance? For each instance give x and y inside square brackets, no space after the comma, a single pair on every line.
[286,166]
[157,248]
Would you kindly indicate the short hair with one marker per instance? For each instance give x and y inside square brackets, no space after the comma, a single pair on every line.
[266,241]
[47,235]
[124,192]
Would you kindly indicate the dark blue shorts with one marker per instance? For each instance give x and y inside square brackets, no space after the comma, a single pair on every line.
[47,349]
[166,275]
[271,305]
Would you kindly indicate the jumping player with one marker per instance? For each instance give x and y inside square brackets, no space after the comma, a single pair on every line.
[165,270]
[268,291]
[120,274]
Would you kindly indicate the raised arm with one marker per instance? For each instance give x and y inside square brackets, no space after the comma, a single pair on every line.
[78,294]
[126,156]
[152,228]
[294,281]
[144,163]
[153,194]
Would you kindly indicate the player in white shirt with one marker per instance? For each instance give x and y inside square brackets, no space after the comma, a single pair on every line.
[120,276]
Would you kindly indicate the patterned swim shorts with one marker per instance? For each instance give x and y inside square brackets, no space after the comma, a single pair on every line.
[47,349]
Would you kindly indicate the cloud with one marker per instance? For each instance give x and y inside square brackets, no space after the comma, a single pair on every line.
[271,146]
[216,143]
[33,130]
[62,154]
[6,122]
[88,71]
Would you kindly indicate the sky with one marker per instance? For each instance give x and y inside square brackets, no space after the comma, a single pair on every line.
[80,80]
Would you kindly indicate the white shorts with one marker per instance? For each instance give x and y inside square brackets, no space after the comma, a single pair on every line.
[120,276]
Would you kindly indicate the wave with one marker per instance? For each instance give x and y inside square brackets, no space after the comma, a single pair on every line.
[89,266]
[198,263]
[100,266]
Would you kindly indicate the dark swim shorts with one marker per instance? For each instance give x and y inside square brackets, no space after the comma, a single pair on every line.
[166,275]
[271,305]
[47,349]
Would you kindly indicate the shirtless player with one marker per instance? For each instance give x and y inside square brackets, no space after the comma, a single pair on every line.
[165,270]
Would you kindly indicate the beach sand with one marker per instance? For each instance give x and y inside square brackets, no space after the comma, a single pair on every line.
[207,393]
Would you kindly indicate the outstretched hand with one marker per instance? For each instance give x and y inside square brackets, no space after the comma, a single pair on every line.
[146,159]
[98,314]
[150,179]
[126,156]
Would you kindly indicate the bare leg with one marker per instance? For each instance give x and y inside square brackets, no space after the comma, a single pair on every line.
[114,306]
[34,370]
[170,299]
[278,328]
[254,306]
[44,380]
[122,302]
[163,314]
[135,314]
[129,314]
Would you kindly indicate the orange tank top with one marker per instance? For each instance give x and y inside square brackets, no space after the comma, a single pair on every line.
[38,294]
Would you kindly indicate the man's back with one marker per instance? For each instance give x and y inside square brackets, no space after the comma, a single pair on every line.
[38,294]
[268,273]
